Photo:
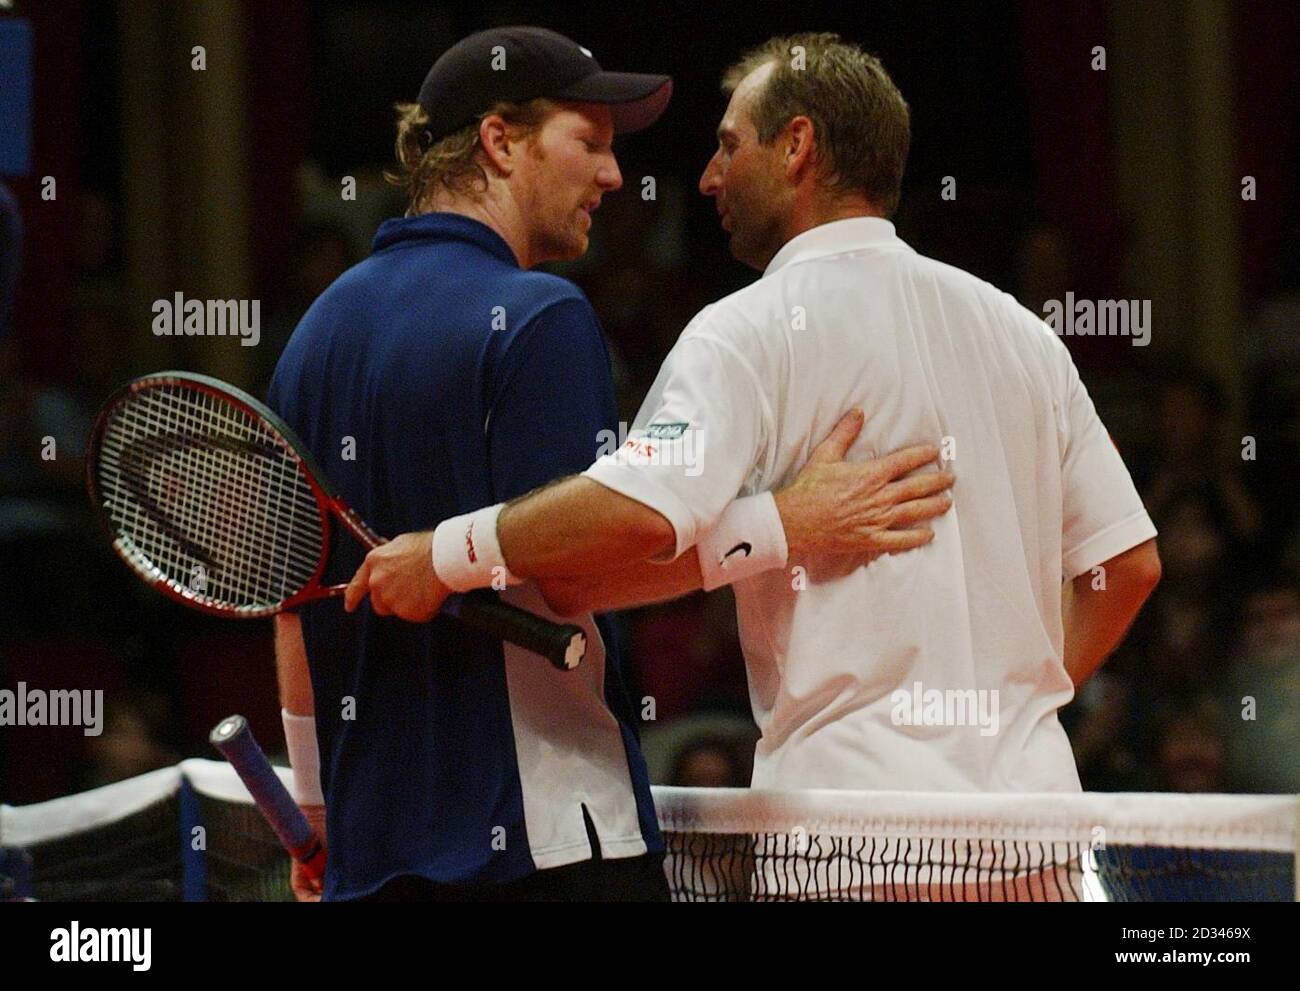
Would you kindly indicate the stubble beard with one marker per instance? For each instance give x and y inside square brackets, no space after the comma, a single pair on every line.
[562,240]
[754,243]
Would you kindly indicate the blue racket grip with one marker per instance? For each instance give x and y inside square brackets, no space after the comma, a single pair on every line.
[234,739]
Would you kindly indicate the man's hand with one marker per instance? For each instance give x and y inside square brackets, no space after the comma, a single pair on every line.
[834,507]
[400,580]
[304,888]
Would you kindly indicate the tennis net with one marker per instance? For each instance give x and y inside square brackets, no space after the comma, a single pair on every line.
[750,845]
[191,833]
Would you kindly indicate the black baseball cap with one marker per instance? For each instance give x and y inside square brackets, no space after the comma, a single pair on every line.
[523,63]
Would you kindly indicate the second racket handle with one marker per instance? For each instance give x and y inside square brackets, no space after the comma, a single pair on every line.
[563,644]
[234,739]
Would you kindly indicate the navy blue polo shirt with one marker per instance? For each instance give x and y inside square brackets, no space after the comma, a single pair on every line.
[432,379]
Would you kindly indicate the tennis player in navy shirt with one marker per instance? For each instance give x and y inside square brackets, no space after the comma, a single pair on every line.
[436,376]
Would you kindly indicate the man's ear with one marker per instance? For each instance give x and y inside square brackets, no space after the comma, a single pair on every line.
[800,146]
[494,138]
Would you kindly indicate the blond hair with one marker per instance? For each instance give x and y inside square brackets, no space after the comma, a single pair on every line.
[452,162]
[861,121]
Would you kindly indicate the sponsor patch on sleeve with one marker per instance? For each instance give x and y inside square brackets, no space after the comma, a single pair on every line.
[666,431]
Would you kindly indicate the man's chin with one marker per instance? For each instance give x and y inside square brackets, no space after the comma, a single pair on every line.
[574,246]
[568,250]
[743,254]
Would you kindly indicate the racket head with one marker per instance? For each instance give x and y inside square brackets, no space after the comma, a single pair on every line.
[188,473]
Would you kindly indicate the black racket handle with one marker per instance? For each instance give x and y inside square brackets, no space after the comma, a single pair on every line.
[563,644]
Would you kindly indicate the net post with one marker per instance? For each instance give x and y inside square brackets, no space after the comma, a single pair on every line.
[194,867]
[1295,845]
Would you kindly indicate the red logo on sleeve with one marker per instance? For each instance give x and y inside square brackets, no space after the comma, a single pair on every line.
[639,449]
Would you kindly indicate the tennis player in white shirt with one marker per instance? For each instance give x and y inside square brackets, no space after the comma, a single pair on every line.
[937,670]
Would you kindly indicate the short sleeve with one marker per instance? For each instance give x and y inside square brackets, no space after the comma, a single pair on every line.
[698,437]
[1103,515]
[552,400]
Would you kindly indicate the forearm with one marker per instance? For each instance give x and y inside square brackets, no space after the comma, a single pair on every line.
[640,585]
[578,527]
[1095,623]
[1096,619]
[300,725]
[291,666]
[580,531]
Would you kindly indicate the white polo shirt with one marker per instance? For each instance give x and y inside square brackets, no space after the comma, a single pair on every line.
[940,669]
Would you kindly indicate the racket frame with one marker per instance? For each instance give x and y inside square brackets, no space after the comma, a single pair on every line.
[330,504]
[563,645]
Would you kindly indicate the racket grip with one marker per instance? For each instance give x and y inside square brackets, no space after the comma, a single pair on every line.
[233,737]
[563,644]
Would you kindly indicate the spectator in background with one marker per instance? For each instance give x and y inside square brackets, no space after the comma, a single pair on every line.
[709,762]
[686,655]
[1271,345]
[1191,752]
[1103,731]
[131,744]
[705,748]
[1263,700]
[14,417]
[44,426]
[1044,267]
[97,239]
[322,252]
[44,517]
[1208,525]
[1194,458]
[11,253]
[1271,359]
[1187,626]
[637,280]
[1275,423]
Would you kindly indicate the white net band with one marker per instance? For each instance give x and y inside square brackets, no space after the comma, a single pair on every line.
[124,841]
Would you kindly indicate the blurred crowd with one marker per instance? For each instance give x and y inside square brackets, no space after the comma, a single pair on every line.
[1204,695]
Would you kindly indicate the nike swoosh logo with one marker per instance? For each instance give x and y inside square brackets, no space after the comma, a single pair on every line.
[742,546]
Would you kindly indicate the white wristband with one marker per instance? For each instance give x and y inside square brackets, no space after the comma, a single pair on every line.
[466,554]
[748,538]
[304,757]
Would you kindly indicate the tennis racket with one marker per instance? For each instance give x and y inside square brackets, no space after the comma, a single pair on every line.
[234,739]
[213,500]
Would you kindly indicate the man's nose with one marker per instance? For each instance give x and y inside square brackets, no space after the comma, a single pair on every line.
[711,179]
[609,177]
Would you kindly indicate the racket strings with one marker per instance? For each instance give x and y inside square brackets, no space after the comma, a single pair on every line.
[152,462]
[230,530]
[197,487]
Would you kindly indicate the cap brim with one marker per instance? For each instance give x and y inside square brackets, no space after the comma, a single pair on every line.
[636,99]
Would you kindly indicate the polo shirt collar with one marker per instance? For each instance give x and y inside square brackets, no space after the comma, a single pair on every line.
[438,226]
[832,239]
